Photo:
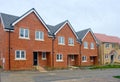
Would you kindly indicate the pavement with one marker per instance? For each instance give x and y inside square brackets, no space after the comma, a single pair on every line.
[61,76]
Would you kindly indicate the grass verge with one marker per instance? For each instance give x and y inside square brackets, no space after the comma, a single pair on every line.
[105,67]
[117,77]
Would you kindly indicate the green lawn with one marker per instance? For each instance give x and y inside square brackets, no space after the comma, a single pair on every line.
[105,67]
[117,77]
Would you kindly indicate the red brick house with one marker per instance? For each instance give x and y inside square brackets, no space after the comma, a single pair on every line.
[65,45]
[27,41]
[24,41]
[88,47]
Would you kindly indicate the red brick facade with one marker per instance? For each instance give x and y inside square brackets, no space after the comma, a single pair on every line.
[89,52]
[31,45]
[66,50]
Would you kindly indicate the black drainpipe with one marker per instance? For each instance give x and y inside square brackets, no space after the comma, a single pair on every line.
[53,50]
[9,50]
[9,47]
[80,53]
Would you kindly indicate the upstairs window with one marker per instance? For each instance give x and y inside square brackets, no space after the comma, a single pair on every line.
[61,40]
[24,33]
[70,41]
[39,35]
[113,45]
[107,45]
[85,45]
[92,45]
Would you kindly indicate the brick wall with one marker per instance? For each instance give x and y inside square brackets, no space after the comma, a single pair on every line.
[88,52]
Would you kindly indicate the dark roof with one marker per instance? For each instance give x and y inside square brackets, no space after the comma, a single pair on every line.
[82,33]
[7,20]
[53,29]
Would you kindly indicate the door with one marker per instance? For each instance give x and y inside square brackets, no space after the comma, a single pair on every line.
[35,58]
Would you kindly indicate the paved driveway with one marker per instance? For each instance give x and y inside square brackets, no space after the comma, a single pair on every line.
[62,76]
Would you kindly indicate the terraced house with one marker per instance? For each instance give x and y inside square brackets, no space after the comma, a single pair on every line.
[27,41]
[109,49]
[88,48]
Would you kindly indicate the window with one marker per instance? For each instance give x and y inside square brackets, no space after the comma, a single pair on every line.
[61,40]
[39,35]
[24,33]
[72,57]
[59,57]
[84,59]
[85,45]
[92,45]
[70,41]
[20,55]
[106,56]
[113,45]
[119,57]
[43,55]
[107,45]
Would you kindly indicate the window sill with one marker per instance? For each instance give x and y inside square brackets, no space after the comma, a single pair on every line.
[71,44]
[84,61]
[72,60]
[60,44]
[85,47]
[39,39]
[20,59]
[59,60]
[44,59]
[92,48]
[24,38]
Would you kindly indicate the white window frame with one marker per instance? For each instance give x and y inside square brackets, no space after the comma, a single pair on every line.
[59,57]
[92,45]
[24,33]
[107,45]
[84,58]
[44,57]
[61,40]
[106,56]
[20,51]
[40,35]
[71,41]
[85,45]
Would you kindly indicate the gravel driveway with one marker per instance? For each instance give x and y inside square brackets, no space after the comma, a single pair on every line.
[61,76]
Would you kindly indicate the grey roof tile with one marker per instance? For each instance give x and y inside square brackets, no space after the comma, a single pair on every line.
[82,33]
[7,20]
[53,29]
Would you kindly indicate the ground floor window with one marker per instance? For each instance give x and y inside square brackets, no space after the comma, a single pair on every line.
[43,55]
[106,56]
[84,58]
[20,54]
[59,57]
[119,57]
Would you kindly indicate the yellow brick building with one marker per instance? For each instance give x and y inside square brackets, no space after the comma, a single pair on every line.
[109,49]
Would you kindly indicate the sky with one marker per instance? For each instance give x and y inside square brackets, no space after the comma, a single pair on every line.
[102,16]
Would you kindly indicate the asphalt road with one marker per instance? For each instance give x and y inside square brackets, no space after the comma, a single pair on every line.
[61,76]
